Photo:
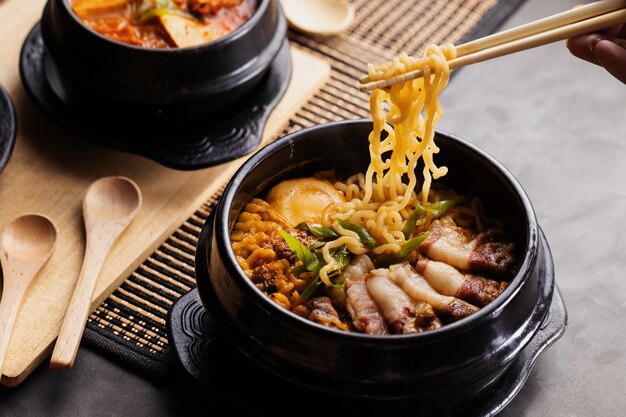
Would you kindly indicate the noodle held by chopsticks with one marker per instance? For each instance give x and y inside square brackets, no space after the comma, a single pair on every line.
[408,113]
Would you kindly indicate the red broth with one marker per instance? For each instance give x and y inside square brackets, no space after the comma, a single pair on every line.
[163,23]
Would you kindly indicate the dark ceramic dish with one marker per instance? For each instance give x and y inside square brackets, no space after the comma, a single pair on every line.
[157,86]
[442,368]
[8,128]
[188,147]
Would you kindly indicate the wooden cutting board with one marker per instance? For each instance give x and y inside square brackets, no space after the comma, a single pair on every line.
[51,169]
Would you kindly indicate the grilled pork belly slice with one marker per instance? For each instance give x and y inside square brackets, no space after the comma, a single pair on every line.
[366,315]
[446,280]
[396,306]
[323,312]
[425,317]
[487,252]
[451,308]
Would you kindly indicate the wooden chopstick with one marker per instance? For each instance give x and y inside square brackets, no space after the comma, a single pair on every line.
[577,14]
[551,22]
[589,18]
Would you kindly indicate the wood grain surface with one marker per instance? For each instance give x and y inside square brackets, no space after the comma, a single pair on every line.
[50,171]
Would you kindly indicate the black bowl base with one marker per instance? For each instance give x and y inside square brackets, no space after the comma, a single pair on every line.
[192,146]
[212,361]
[8,128]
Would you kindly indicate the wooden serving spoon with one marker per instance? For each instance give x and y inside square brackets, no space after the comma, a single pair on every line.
[319,17]
[26,244]
[109,206]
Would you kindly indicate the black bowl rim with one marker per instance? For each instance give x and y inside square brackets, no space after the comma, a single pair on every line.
[485,314]
[7,138]
[230,37]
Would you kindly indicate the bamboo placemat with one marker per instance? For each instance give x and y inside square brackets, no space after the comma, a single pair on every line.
[131,324]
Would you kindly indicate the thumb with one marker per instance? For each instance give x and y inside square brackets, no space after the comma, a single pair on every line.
[612,56]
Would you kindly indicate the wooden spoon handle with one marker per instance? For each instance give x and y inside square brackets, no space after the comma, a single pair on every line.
[10,305]
[78,311]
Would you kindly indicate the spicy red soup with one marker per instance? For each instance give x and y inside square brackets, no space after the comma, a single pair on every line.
[164,23]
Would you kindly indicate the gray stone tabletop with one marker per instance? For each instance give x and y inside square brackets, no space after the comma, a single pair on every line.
[559,125]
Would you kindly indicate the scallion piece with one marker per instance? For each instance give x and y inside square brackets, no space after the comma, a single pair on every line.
[438,209]
[316,246]
[303,253]
[162,12]
[310,289]
[318,231]
[407,249]
[409,226]
[364,235]
[342,259]
[299,269]
[146,5]
[311,263]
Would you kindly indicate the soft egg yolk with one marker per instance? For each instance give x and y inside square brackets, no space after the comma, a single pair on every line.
[303,200]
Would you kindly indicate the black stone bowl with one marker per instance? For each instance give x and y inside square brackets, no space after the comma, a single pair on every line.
[8,127]
[442,368]
[169,87]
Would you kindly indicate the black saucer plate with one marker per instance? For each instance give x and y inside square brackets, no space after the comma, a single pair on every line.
[192,147]
[8,128]
[209,359]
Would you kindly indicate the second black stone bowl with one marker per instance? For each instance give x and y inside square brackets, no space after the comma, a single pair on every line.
[157,86]
[441,368]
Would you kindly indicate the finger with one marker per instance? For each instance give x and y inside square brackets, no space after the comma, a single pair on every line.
[612,57]
[618,41]
[582,46]
[613,31]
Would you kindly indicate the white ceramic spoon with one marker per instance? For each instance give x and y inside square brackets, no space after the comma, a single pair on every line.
[109,206]
[319,17]
[26,244]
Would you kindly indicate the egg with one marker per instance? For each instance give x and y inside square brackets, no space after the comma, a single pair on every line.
[303,200]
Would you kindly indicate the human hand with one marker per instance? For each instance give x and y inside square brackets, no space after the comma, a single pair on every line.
[606,49]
